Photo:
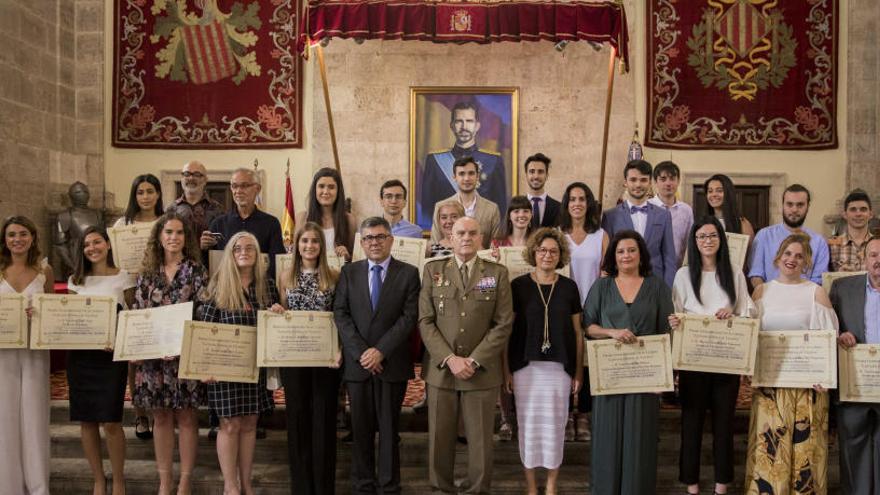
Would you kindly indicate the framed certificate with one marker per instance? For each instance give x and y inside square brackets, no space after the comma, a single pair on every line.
[214,351]
[643,367]
[215,256]
[66,321]
[406,249]
[738,247]
[13,321]
[296,339]
[705,343]
[796,359]
[859,373]
[129,244]
[828,278]
[151,333]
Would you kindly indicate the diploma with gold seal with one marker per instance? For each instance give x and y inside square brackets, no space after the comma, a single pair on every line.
[67,321]
[221,352]
[129,243]
[796,359]
[643,367]
[13,321]
[296,339]
[152,333]
[705,343]
[406,249]
[859,373]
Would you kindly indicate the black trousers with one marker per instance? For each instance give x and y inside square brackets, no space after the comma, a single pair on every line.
[375,408]
[311,397]
[699,392]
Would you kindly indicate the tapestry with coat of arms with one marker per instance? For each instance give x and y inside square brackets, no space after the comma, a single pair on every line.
[206,74]
[742,74]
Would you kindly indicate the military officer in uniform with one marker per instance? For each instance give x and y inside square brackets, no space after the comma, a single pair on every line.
[465,319]
[438,181]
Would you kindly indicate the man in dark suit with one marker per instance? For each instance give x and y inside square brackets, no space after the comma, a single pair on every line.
[652,222]
[856,300]
[376,309]
[545,210]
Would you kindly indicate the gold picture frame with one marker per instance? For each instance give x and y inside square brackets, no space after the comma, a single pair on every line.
[489,120]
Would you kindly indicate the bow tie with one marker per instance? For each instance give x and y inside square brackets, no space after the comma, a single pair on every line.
[638,209]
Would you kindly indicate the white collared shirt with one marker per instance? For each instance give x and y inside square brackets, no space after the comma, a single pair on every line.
[382,274]
[469,210]
[639,220]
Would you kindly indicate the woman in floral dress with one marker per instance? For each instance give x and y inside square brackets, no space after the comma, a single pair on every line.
[171,274]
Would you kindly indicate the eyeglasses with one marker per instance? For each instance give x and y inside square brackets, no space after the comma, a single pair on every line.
[244,249]
[375,238]
[547,252]
[243,185]
[197,175]
[706,237]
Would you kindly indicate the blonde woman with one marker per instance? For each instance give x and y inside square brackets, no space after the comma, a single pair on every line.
[172,273]
[311,393]
[447,213]
[236,292]
[24,374]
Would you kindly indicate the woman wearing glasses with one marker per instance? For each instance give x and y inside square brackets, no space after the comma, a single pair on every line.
[544,354]
[708,286]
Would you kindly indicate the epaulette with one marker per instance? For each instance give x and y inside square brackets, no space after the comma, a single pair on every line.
[490,152]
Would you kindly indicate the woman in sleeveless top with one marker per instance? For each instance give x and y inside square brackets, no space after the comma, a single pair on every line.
[587,242]
[708,286]
[24,374]
[144,207]
[236,292]
[96,382]
[311,393]
[788,430]
[172,273]
[327,209]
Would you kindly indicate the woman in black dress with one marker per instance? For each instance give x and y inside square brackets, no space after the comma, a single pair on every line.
[310,393]
[236,292]
[96,382]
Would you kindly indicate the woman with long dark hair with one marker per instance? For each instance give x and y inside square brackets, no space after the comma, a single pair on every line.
[708,286]
[24,373]
[721,203]
[587,242]
[96,382]
[326,207]
[144,201]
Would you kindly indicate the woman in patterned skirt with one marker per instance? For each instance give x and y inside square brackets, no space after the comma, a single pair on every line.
[171,274]
[237,291]
[310,393]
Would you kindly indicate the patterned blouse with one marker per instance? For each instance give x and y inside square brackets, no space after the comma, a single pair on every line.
[248,316]
[307,296]
[188,284]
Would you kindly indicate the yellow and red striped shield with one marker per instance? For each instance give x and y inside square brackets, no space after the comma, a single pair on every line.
[209,57]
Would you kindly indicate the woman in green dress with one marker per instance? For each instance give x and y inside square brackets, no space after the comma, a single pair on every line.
[627,304]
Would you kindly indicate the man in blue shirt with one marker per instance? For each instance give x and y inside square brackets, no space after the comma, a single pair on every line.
[795,206]
[392,196]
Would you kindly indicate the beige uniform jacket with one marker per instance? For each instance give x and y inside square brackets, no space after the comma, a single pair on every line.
[473,321]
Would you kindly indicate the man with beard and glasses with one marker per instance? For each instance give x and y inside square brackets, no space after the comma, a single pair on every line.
[545,209]
[195,205]
[438,179]
[795,206]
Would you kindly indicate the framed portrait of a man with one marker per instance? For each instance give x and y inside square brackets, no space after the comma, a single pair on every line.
[448,123]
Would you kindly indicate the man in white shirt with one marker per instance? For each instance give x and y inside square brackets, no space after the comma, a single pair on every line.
[545,210]
[666,179]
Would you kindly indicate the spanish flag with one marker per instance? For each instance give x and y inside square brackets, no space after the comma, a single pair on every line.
[287,220]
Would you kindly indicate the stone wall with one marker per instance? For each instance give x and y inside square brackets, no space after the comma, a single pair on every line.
[50,105]
[863,149]
[561,96]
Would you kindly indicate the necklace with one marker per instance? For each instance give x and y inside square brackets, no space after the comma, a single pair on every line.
[545,346]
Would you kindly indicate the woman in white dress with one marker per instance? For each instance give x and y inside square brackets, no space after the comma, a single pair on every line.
[144,207]
[708,286]
[579,221]
[24,374]
[788,430]
[96,382]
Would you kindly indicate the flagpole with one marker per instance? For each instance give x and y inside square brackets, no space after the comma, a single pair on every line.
[323,69]
[608,95]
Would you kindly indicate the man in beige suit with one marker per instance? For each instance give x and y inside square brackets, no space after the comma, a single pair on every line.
[466,173]
[465,318]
